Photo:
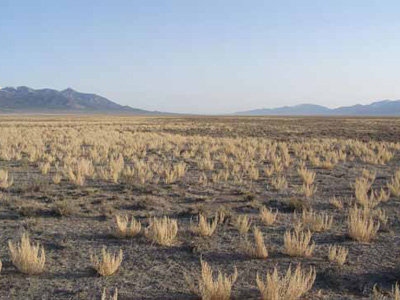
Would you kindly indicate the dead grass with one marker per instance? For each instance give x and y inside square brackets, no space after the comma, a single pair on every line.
[361,226]
[107,166]
[64,208]
[108,263]
[381,215]
[211,288]
[57,178]
[258,249]
[5,180]
[242,224]
[268,217]
[298,243]
[308,190]
[126,227]
[307,176]
[162,231]
[370,175]
[203,226]
[377,294]
[315,221]
[337,203]
[394,185]
[27,257]
[269,170]
[105,295]
[279,183]
[337,254]
[291,286]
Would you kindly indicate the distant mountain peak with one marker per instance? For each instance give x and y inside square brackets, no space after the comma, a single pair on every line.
[68,90]
[377,103]
[25,99]
[378,108]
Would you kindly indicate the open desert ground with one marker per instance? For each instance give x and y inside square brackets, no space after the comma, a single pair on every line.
[168,196]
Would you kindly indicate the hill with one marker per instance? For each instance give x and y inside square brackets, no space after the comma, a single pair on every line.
[380,108]
[25,99]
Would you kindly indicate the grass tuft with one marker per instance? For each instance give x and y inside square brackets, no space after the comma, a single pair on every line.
[291,286]
[107,264]
[162,231]
[27,257]
[298,243]
[126,227]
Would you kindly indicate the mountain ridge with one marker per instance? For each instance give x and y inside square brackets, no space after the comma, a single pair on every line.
[25,99]
[377,108]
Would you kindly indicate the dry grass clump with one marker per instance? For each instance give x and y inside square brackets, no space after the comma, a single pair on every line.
[104,295]
[337,203]
[56,178]
[268,217]
[291,286]
[204,227]
[380,214]
[269,170]
[298,243]
[126,227]
[337,254]
[379,295]
[206,164]
[162,231]
[44,168]
[308,190]
[369,175]
[107,264]
[367,199]
[76,177]
[298,204]
[27,257]
[362,185]
[368,202]
[394,185]
[242,224]
[361,226]
[279,183]
[223,214]
[258,250]
[315,221]
[210,288]
[396,292]
[327,164]
[315,161]
[307,176]
[5,180]
[64,208]
[382,195]
[253,173]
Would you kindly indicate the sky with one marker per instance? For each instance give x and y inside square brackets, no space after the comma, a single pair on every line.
[208,57]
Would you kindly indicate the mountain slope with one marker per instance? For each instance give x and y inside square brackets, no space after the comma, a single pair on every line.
[302,109]
[24,99]
[380,108]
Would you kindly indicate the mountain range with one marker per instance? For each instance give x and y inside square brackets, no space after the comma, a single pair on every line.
[379,108]
[25,99]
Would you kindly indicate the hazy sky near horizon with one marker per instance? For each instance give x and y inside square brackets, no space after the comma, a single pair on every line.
[205,56]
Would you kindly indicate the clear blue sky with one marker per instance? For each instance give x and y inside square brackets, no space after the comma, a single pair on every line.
[205,56]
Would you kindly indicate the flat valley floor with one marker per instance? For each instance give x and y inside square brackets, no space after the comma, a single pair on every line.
[65,178]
